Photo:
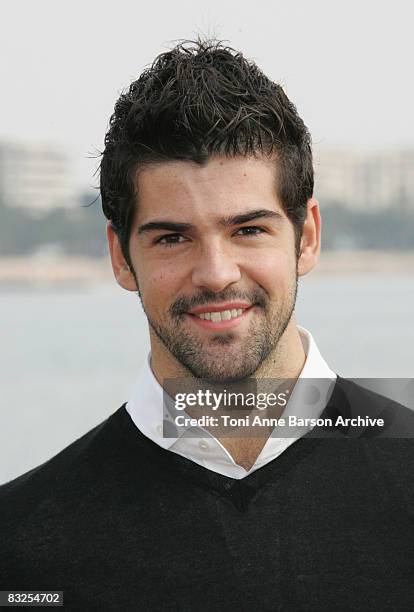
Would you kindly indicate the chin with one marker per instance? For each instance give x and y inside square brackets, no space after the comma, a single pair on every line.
[221,376]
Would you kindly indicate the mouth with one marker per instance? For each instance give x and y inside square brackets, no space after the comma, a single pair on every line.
[220,317]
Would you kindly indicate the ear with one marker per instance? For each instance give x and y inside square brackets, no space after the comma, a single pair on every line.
[310,244]
[122,272]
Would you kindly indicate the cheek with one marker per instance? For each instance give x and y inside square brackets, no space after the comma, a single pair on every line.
[272,270]
[159,284]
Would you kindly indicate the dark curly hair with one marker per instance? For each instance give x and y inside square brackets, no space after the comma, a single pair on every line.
[195,101]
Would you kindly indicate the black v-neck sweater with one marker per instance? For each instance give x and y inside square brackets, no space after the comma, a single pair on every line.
[117,523]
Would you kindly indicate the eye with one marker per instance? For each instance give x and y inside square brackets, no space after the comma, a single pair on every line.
[251,230]
[170,240]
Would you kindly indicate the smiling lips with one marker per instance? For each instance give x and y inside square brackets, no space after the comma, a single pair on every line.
[218,317]
[223,315]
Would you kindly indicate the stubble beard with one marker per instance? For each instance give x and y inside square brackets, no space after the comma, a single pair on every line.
[225,357]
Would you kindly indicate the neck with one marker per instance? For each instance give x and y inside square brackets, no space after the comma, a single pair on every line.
[285,362]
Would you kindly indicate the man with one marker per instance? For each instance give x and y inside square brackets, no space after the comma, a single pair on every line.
[207,183]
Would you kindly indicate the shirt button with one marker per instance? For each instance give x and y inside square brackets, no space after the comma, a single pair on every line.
[159,430]
[203,445]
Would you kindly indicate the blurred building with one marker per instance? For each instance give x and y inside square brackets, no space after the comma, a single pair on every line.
[35,177]
[39,177]
[365,181]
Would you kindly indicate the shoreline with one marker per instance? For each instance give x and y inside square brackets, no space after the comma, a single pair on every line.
[42,270]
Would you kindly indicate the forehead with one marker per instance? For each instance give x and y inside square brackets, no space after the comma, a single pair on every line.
[221,185]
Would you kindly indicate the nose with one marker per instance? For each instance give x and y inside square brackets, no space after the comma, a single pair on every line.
[215,268]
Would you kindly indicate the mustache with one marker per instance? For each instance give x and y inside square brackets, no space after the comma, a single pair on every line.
[257,297]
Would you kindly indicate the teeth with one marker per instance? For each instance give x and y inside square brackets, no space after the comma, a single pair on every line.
[223,315]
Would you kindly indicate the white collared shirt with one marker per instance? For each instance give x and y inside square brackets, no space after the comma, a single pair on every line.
[147,410]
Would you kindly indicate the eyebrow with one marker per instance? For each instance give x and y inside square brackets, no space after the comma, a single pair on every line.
[262,213]
[173,226]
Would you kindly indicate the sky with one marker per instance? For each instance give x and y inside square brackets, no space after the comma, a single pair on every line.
[346,65]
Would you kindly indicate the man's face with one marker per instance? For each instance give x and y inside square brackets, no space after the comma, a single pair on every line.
[214,258]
